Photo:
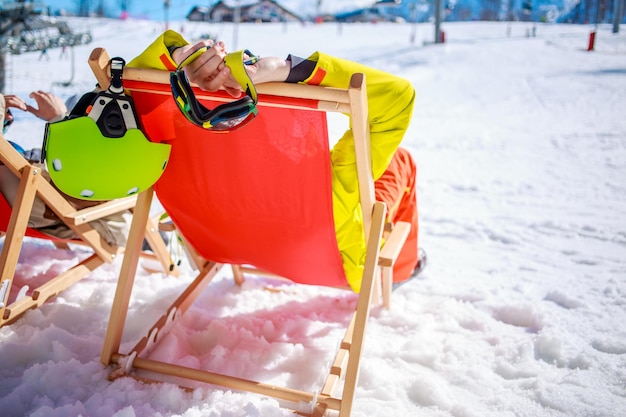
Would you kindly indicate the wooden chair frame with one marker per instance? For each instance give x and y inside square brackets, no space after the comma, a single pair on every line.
[32,183]
[379,264]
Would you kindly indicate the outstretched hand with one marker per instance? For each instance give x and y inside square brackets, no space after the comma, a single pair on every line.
[49,107]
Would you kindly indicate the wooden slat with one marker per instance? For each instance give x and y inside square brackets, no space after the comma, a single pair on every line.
[126,280]
[181,304]
[99,211]
[16,231]
[360,127]
[363,308]
[51,288]
[393,244]
[227,381]
[159,248]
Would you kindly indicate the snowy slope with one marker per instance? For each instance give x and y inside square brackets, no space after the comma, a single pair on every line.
[521,147]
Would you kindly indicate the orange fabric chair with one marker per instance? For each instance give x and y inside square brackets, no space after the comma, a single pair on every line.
[205,167]
[259,199]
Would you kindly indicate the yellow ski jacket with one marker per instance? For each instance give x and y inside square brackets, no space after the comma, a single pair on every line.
[390,101]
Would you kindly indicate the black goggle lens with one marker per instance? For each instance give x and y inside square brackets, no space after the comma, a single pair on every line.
[225,117]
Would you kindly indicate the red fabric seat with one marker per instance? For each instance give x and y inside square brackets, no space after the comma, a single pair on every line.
[5,216]
[253,196]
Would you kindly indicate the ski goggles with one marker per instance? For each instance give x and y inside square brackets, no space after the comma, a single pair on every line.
[227,116]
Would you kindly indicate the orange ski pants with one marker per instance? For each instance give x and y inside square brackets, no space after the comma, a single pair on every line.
[397,188]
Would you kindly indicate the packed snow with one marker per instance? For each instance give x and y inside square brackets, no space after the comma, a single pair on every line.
[519,134]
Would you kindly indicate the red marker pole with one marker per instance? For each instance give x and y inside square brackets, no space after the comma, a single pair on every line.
[592,40]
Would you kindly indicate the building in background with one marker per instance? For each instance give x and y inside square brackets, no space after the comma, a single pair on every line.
[257,11]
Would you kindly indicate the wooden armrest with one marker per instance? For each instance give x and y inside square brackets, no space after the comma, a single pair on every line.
[393,244]
[101,210]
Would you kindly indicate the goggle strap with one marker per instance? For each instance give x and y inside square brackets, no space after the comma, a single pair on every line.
[192,57]
[195,111]
[117,71]
[235,61]
[227,116]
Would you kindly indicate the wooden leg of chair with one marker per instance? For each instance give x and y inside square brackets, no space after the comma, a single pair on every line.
[119,309]
[61,245]
[66,279]
[377,288]
[159,248]
[15,232]
[237,274]
[196,260]
[363,308]
[176,310]
[387,278]
[394,241]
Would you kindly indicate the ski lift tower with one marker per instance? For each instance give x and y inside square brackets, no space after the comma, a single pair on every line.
[23,28]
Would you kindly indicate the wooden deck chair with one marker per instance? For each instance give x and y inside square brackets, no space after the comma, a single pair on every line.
[14,227]
[259,196]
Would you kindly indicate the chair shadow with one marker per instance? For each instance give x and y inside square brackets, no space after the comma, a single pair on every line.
[231,331]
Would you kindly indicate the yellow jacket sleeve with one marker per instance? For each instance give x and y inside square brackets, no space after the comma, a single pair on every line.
[390,101]
[390,105]
[157,55]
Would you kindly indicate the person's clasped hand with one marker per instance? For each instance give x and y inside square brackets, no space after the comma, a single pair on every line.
[207,71]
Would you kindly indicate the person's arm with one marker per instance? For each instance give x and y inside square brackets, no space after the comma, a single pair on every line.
[390,106]
[390,98]
[265,70]
[269,69]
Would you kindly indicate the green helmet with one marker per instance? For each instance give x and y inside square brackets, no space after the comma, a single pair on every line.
[85,164]
[98,152]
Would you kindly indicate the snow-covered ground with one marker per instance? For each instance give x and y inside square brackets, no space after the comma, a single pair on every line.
[520,142]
